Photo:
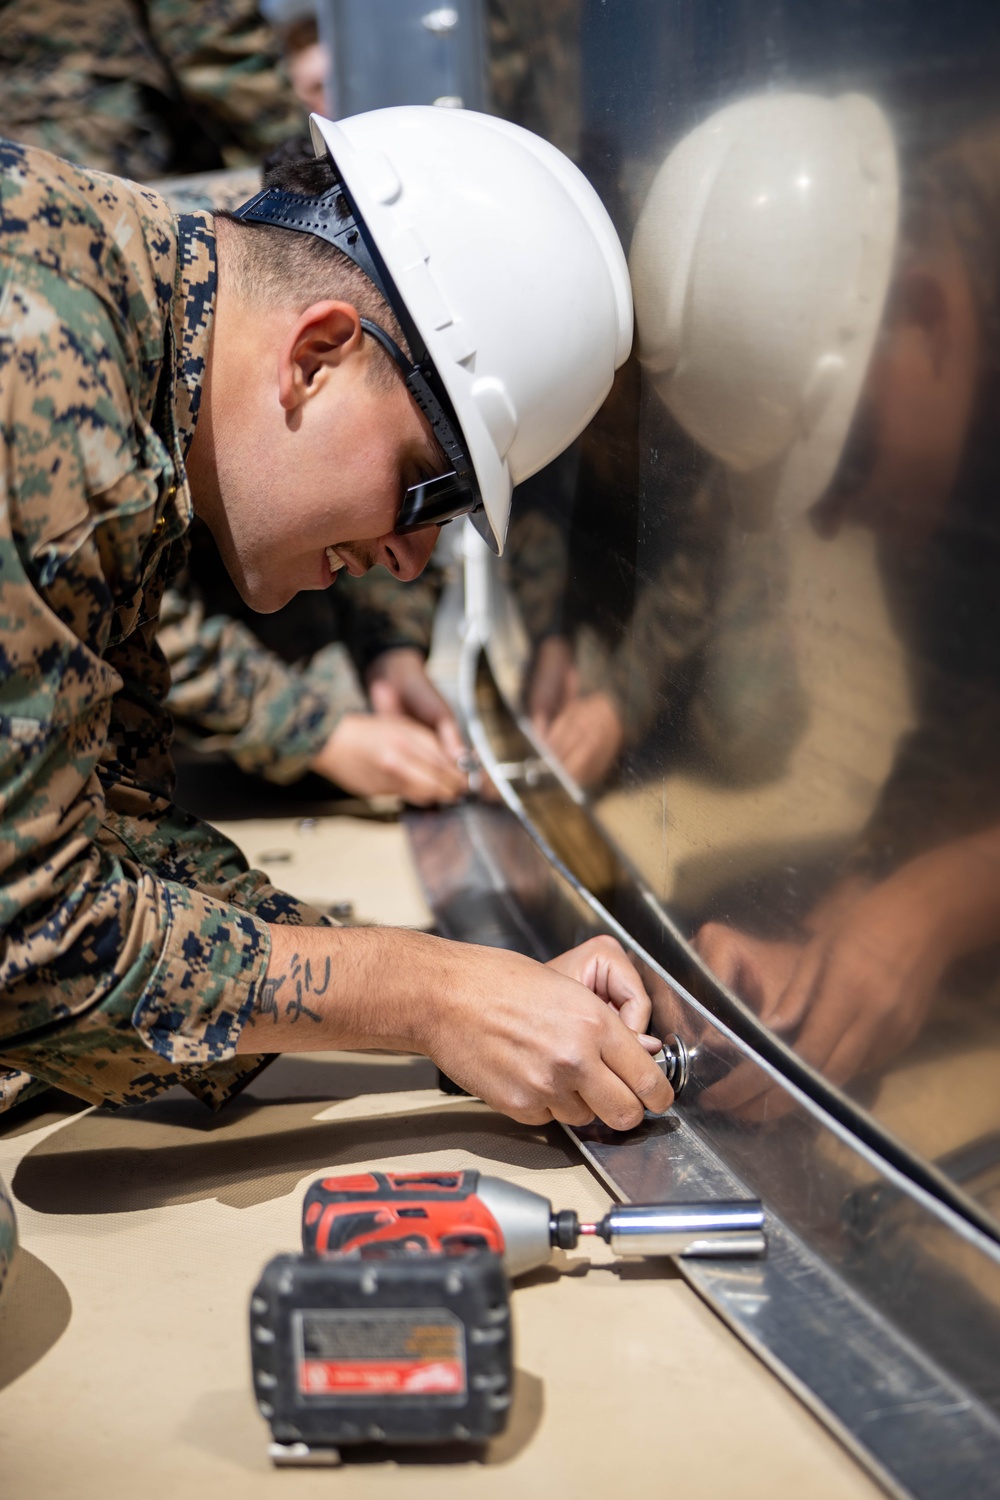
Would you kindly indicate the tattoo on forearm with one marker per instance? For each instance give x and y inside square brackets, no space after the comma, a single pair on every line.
[304,983]
[267,1001]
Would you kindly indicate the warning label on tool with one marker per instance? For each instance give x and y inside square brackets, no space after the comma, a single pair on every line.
[391,1352]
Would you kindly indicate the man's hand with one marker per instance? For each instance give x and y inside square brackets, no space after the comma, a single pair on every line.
[534,1041]
[398,684]
[583,731]
[373,754]
[603,966]
[849,997]
[555,682]
[587,737]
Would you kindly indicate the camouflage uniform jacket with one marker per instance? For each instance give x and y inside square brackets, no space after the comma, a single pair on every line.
[133,936]
[272,710]
[143,87]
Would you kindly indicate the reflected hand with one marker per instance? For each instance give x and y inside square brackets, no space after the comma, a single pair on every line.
[398,684]
[370,755]
[604,967]
[554,682]
[587,738]
[852,996]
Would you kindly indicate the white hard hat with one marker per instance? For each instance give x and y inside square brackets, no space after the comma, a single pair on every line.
[760,265]
[506,275]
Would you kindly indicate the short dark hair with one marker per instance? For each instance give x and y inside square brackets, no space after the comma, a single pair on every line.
[284,267]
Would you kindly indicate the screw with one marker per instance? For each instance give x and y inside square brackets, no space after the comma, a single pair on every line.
[676,1063]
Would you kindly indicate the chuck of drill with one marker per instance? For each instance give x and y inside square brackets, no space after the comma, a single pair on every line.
[721,1228]
[727,1229]
[532,1229]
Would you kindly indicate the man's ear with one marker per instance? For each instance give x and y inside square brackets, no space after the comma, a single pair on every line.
[922,303]
[320,339]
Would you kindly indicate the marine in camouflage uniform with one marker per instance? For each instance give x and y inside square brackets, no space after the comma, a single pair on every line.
[144,87]
[134,936]
[239,685]
[269,690]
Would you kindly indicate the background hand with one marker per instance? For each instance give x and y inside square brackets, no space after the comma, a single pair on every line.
[587,737]
[398,684]
[374,754]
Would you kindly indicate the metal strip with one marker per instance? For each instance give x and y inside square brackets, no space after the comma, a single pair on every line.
[889,1329]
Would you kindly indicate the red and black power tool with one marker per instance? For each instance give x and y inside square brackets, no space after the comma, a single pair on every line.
[393,1326]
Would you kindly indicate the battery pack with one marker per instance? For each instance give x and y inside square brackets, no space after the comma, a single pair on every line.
[407,1349]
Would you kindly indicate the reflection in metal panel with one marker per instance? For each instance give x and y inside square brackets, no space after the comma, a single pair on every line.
[387,52]
[888,1326]
[744,677]
[755,616]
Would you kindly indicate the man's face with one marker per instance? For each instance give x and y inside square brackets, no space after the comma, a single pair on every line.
[311,460]
[307,70]
[908,436]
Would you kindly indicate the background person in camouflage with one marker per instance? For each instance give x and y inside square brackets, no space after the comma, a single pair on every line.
[144,90]
[282,694]
[146,360]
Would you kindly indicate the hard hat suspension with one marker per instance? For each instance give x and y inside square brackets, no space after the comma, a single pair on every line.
[330,216]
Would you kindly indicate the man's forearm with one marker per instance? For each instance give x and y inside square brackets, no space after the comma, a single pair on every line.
[349,987]
[557,1041]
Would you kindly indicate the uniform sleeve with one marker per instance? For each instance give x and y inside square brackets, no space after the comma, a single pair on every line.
[657,665]
[383,614]
[225,59]
[944,783]
[229,692]
[709,651]
[535,565]
[133,937]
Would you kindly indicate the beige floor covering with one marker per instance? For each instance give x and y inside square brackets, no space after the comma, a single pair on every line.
[124,1368]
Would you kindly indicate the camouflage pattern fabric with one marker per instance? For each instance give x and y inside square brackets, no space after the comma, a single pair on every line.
[236,692]
[205,192]
[142,89]
[230,693]
[383,614]
[535,566]
[709,647]
[134,936]
[17,1087]
[534,67]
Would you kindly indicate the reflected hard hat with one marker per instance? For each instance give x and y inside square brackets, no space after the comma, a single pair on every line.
[507,278]
[760,265]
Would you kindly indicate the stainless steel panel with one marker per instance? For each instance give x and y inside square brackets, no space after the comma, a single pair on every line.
[744,681]
[755,615]
[889,1331]
[389,52]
